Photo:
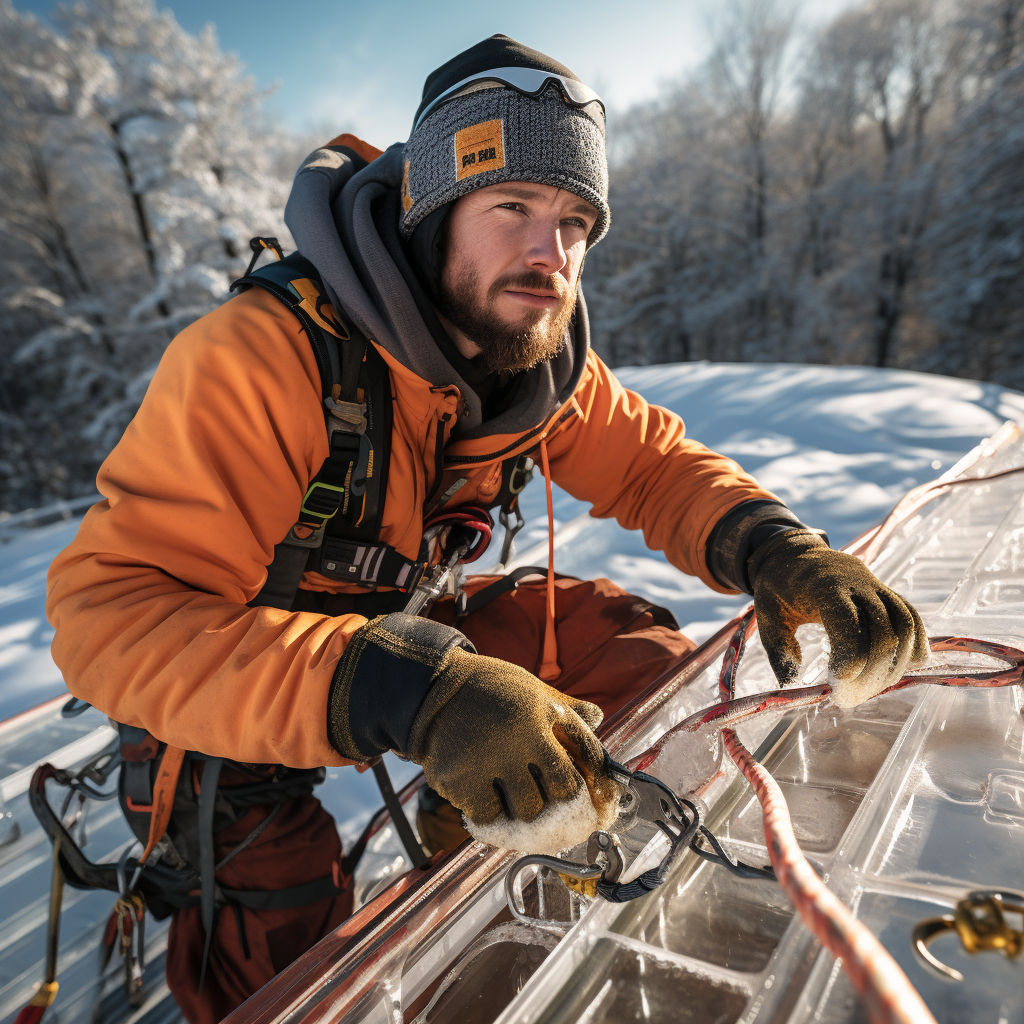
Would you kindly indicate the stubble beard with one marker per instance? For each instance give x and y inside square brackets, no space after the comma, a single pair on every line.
[507,345]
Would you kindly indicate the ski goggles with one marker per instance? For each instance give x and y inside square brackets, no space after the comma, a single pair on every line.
[528,81]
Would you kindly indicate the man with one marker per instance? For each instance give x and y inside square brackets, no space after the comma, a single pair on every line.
[459,254]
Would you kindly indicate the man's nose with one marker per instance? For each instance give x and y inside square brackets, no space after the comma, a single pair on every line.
[545,251]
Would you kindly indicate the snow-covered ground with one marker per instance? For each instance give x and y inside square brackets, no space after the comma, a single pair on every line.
[839,444]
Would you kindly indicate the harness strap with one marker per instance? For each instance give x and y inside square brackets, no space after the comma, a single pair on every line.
[549,669]
[345,498]
[207,865]
[416,853]
[377,565]
[283,575]
[163,797]
[502,585]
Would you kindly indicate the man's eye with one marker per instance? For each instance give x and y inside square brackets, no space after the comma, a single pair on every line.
[513,206]
[576,222]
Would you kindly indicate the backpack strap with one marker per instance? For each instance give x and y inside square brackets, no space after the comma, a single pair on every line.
[337,533]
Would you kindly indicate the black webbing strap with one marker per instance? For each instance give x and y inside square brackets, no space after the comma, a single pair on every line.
[207,864]
[278,279]
[345,498]
[283,575]
[416,853]
[370,565]
[623,892]
[502,586]
[285,899]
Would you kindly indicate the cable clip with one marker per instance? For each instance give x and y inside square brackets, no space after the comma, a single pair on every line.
[979,919]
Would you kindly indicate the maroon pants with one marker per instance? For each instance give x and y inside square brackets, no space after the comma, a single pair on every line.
[611,646]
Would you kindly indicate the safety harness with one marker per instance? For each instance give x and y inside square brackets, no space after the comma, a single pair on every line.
[337,534]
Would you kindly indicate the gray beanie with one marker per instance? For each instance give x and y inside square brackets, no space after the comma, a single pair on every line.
[491,133]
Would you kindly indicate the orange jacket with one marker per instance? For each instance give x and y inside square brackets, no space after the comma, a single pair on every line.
[149,600]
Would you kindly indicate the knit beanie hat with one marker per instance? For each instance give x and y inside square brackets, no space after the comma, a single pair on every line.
[490,133]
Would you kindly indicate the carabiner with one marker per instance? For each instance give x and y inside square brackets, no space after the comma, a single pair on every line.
[585,875]
[979,920]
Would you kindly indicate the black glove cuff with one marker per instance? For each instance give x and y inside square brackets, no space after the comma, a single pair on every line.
[381,681]
[742,531]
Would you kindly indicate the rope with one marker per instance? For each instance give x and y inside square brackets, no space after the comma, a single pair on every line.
[888,996]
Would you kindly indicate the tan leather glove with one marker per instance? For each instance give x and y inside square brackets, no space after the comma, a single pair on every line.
[875,634]
[493,739]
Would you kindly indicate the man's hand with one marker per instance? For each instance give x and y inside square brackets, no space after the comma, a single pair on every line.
[497,742]
[494,740]
[875,634]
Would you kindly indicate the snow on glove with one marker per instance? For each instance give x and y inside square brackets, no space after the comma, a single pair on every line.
[875,634]
[516,756]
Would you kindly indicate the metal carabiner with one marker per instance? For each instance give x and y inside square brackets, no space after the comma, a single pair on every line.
[979,919]
[585,875]
[510,531]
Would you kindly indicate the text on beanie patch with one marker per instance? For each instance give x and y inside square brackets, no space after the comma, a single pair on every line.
[478,148]
[407,200]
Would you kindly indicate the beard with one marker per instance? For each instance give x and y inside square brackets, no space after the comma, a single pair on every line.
[507,345]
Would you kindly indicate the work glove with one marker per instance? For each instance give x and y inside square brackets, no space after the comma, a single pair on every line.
[874,633]
[505,748]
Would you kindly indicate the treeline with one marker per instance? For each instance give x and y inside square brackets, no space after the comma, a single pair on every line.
[855,195]
[135,164]
[850,196]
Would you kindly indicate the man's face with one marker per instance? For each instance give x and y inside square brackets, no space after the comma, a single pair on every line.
[513,256]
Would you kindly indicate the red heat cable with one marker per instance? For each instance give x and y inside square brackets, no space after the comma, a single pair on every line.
[889,997]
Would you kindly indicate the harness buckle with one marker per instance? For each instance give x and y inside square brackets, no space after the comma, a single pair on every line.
[320,501]
[313,539]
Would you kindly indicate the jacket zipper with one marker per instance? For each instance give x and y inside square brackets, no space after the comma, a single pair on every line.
[438,457]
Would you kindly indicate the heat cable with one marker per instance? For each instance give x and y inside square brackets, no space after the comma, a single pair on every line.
[889,997]
[888,994]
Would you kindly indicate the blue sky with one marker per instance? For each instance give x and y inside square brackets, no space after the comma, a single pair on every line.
[346,66]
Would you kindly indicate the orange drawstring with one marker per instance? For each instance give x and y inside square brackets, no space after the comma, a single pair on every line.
[549,668]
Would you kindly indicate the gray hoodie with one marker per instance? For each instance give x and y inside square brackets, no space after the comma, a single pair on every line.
[334,213]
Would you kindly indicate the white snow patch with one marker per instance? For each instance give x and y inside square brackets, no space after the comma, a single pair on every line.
[558,827]
[848,693]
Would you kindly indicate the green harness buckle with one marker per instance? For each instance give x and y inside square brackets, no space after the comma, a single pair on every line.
[322,506]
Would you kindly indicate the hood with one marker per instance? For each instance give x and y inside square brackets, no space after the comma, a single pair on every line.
[337,216]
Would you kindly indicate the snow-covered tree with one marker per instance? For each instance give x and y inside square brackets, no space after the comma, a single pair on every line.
[857,204]
[687,272]
[135,164]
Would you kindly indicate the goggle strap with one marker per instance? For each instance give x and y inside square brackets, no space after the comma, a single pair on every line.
[575,92]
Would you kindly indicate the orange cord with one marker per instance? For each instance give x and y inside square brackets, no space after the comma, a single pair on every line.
[549,668]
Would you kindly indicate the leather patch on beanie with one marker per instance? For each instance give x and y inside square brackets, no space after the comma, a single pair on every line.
[479,148]
[406,193]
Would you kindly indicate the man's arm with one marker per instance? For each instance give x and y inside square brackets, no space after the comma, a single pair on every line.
[149,600]
[633,462]
[712,520]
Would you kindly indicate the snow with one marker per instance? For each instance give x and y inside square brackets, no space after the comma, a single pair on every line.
[839,444]
[557,828]
[28,675]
